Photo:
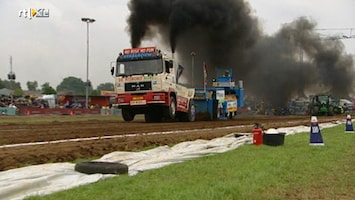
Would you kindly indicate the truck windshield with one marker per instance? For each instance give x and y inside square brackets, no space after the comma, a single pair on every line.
[136,67]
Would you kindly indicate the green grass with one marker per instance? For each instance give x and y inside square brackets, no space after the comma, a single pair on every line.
[295,170]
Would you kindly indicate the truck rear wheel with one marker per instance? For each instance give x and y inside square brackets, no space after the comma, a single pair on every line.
[127,114]
[190,115]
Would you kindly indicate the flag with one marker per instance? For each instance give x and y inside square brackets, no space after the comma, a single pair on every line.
[179,73]
[205,69]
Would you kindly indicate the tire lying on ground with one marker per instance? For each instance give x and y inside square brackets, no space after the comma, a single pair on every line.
[94,167]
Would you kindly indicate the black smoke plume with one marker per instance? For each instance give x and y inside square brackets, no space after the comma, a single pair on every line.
[224,34]
[295,61]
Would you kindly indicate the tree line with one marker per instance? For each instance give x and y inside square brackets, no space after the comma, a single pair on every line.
[70,85]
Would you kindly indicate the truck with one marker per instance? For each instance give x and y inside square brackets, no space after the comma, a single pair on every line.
[147,82]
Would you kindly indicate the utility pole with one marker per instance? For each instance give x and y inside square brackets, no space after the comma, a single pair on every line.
[87,84]
[11,76]
[193,54]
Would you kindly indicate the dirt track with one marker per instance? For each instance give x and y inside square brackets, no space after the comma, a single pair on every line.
[99,144]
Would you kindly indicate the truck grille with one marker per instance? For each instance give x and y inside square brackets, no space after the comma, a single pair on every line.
[138,86]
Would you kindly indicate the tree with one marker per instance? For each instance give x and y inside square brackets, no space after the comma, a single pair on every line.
[32,85]
[18,92]
[47,89]
[94,93]
[74,85]
[105,86]
[12,85]
[2,84]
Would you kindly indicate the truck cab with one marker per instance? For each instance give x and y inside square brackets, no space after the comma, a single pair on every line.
[146,82]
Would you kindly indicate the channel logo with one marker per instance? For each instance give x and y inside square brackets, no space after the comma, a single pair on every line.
[33,12]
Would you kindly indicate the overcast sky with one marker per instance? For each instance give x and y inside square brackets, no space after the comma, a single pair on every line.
[53,48]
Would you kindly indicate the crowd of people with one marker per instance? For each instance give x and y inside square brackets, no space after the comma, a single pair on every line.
[26,101]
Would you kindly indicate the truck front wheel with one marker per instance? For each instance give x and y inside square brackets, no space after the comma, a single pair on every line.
[127,114]
[170,112]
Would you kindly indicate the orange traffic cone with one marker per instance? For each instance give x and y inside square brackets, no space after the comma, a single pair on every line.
[349,125]
[315,136]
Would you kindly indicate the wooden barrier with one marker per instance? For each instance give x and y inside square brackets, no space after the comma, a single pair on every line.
[57,111]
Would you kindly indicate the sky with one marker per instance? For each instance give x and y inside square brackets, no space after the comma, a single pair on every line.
[53,48]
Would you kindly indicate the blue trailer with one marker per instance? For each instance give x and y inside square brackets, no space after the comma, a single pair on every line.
[222,100]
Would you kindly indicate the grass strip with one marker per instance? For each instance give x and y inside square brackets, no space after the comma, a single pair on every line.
[295,170]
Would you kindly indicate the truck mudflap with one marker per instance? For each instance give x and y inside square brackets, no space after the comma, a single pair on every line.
[182,104]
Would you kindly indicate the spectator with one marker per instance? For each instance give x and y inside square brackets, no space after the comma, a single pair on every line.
[12,105]
[67,105]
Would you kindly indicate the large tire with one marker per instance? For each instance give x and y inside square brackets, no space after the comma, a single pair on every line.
[315,110]
[170,112]
[127,114]
[331,111]
[231,115]
[93,167]
[190,115]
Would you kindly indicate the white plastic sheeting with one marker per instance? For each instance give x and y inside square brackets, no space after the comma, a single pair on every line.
[41,179]
[164,155]
[48,178]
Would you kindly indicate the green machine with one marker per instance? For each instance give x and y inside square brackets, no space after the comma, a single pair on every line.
[323,104]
